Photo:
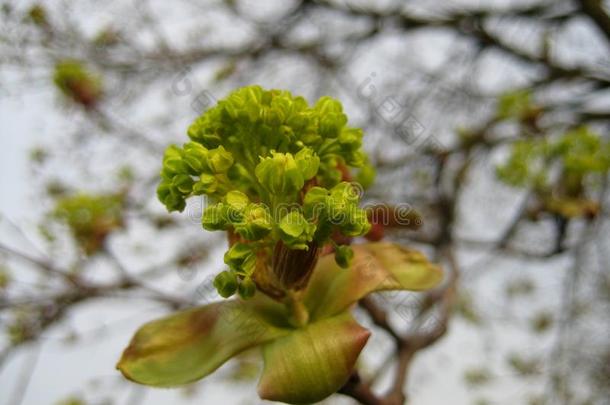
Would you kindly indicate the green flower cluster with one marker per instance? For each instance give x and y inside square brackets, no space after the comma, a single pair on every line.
[575,157]
[518,105]
[578,152]
[91,218]
[77,83]
[275,170]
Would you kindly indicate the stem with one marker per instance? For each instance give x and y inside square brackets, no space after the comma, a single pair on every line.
[300,315]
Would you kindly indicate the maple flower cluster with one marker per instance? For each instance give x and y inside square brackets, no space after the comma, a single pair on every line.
[277,172]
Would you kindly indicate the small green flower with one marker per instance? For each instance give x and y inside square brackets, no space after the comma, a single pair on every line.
[214,218]
[256,222]
[343,256]
[240,258]
[219,160]
[279,174]
[226,283]
[246,288]
[295,231]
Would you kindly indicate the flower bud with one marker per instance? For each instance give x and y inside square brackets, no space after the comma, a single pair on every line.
[214,218]
[246,288]
[226,284]
[295,231]
[195,157]
[356,223]
[207,184]
[350,139]
[237,200]
[219,160]
[280,174]
[314,202]
[308,163]
[170,197]
[256,222]
[366,175]
[343,255]
[183,183]
[240,258]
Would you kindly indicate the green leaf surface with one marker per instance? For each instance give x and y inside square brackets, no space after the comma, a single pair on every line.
[312,363]
[191,344]
[375,267]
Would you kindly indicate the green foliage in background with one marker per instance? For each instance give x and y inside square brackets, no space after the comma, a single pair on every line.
[91,218]
[75,82]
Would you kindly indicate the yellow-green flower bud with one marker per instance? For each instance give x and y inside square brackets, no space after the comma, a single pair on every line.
[226,284]
[280,174]
[246,288]
[256,223]
[308,163]
[214,218]
[195,157]
[207,184]
[240,258]
[366,175]
[295,231]
[183,183]
[314,202]
[219,160]
[343,255]
[356,223]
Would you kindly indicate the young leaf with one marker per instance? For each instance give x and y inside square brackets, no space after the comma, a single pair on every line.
[312,363]
[191,344]
[375,267]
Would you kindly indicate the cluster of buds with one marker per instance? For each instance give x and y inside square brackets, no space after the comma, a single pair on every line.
[276,171]
[91,218]
[559,170]
[77,83]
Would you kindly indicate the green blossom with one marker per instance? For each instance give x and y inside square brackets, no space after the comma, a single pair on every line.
[343,256]
[258,152]
[295,231]
[256,222]
[280,174]
[226,283]
[240,258]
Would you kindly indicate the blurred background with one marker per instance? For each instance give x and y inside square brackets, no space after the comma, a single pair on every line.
[490,118]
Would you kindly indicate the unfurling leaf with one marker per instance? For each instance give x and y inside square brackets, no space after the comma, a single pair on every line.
[191,344]
[375,267]
[312,363]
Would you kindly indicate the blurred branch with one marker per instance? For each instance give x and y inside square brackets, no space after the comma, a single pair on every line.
[595,10]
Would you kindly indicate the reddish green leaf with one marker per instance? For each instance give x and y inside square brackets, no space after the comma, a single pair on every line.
[191,344]
[311,363]
[375,267]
